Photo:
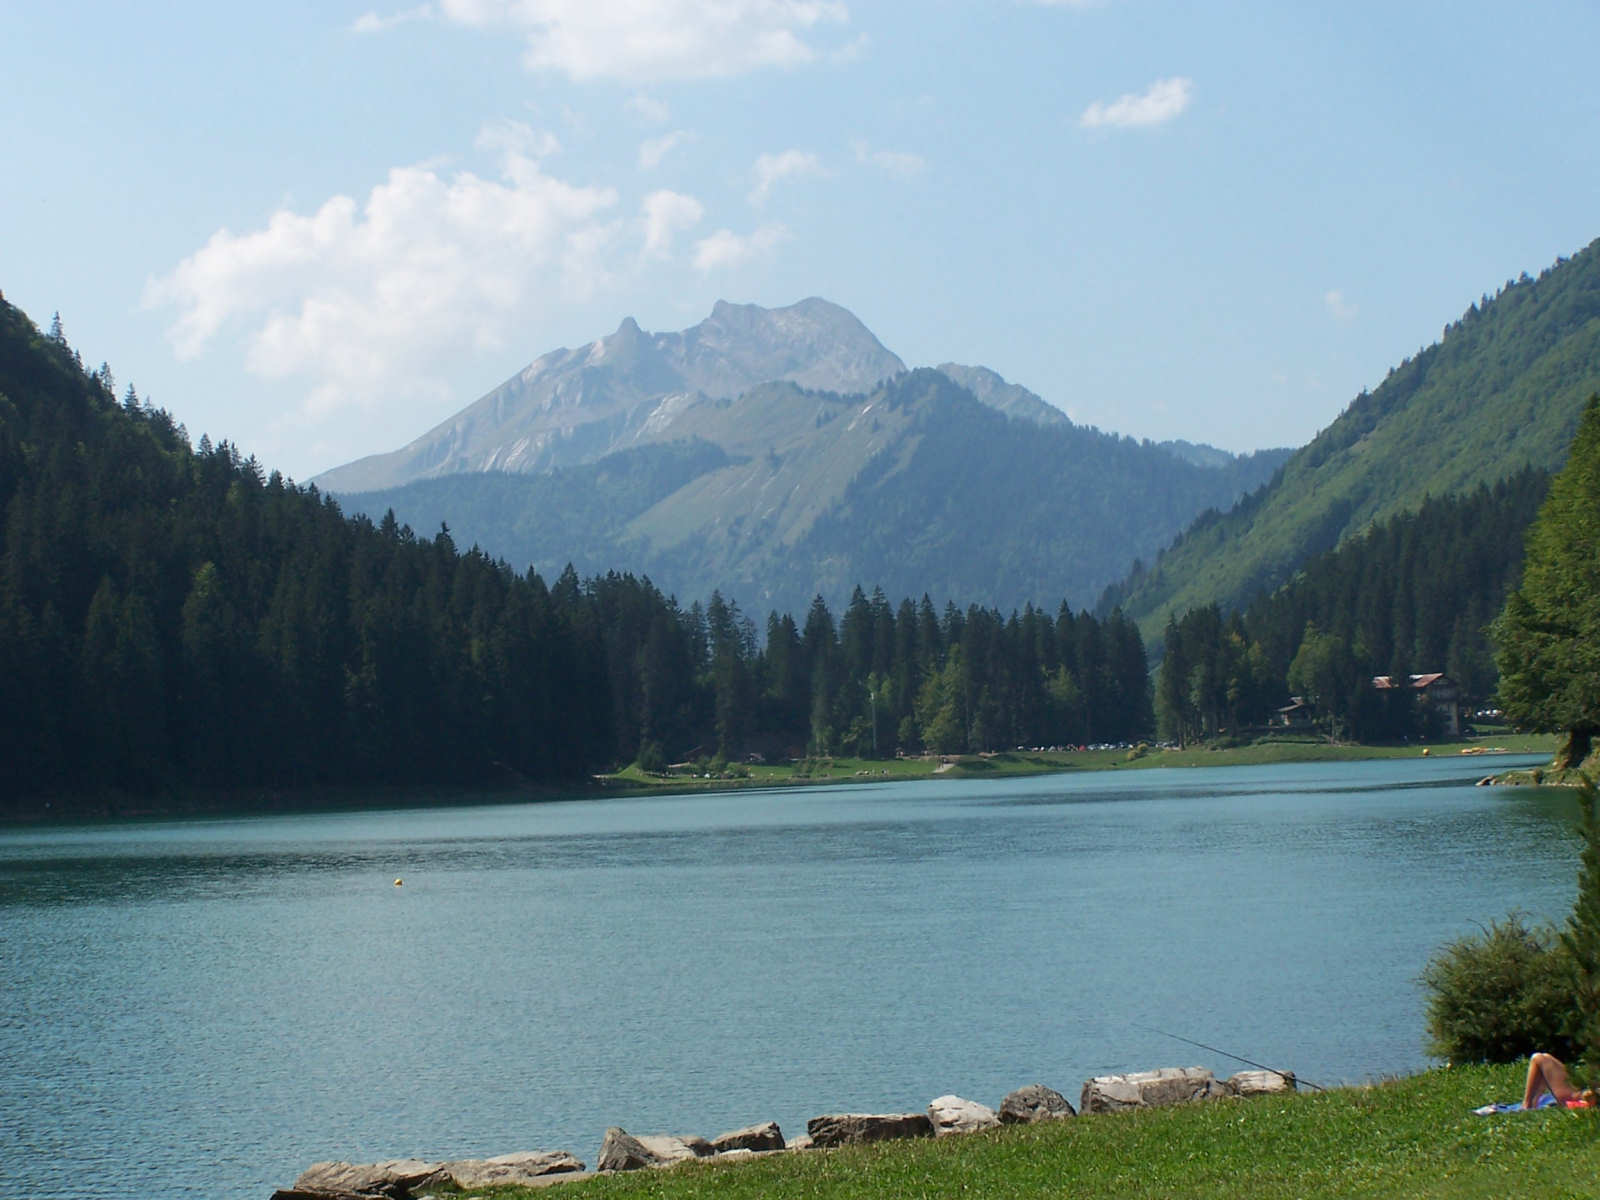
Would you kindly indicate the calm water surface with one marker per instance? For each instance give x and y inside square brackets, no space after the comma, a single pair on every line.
[202,1008]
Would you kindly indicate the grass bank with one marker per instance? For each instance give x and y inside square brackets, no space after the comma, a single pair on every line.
[1268,750]
[1412,1137]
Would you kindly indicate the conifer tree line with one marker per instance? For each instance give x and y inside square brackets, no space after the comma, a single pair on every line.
[1414,594]
[177,619]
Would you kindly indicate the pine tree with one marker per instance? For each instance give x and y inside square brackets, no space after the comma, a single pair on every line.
[1582,934]
[1548,635]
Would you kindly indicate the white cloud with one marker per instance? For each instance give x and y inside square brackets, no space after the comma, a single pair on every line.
[361,300]
[1338,307]
[518,145]
[1160,102]
[654,150]
[772,168]
[649,40]
[725,249]
[371,22]
[896,162]
[649,109]
[666,214]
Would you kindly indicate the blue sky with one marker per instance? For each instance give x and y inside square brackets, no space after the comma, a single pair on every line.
[318,229]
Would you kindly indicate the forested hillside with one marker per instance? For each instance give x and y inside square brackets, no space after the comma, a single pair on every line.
[1501,390]
[1414,594]
[181,624]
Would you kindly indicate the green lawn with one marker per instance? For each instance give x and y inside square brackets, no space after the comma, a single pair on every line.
[1409,1137]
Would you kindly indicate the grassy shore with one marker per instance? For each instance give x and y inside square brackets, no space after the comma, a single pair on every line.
[1041,762]
[1414,1137]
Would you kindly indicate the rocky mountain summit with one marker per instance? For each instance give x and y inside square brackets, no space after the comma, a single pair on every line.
[576,406]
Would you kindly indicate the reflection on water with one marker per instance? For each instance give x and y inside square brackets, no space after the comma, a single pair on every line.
[258,991]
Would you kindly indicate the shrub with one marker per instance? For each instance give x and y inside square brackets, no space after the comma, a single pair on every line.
[1500,995]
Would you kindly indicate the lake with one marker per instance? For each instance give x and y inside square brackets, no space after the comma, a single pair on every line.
[201,1008]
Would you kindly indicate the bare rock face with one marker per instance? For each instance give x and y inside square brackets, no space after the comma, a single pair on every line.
[523,1169]
[621,1151]
[751,1137]
[1150,1089]
[844,1129]
[1261,1083]
[380,1178]
[1033,1103]
[952,1114]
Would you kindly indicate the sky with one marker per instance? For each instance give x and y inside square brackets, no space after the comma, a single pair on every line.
[317,229]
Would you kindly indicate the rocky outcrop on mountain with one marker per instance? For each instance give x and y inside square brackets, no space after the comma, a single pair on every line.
[1010,398]
[576,406]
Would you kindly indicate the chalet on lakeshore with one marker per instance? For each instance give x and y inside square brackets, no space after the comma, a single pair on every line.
[1294,715]
[1436,690]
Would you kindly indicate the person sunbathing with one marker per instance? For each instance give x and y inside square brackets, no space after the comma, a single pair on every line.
[1547,1075]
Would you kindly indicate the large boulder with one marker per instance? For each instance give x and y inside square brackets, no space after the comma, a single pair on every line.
[525,1169]
[373,1179]
[621,1151]
[751,1137]
[952,1114]
[844,1129]
[1260,1083]
[1150,1089]
[1034,1103]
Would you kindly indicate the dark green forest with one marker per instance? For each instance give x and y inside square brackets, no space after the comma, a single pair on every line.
[1413,594]
[181,623]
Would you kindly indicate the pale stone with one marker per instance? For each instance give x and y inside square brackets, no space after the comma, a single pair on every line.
[952,1114]
[1261,1083]
[1034,1103]
[407,1173]
[1150,1089]
[506,1169]
[669,1148]
[843,1129]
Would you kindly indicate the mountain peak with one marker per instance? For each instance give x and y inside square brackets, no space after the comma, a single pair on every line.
[575,406]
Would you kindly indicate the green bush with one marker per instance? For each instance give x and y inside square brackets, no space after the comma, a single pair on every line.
[1500,995]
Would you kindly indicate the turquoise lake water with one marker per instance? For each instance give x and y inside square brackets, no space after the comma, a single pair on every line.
[202,1008]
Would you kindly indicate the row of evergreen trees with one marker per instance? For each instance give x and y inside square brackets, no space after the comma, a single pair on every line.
[177,619]
[1413,594]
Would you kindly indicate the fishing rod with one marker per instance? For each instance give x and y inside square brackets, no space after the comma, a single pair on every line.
[1289,1075]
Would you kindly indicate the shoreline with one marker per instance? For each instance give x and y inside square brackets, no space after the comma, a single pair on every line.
[828,771]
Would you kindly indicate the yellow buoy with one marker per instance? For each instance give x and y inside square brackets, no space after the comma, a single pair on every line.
[1424,755]
[399,883]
